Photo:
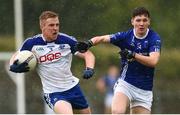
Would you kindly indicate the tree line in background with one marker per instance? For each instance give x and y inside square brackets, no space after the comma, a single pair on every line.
[86,18]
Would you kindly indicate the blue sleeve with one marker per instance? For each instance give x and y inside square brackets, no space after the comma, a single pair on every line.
[72,44]
[117,37]
[155,45]
[66,39]
[27,45]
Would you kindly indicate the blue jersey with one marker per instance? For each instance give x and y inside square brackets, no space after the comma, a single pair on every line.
[134,72]
[54,61]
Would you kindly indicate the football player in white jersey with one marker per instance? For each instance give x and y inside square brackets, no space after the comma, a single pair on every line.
[54,52]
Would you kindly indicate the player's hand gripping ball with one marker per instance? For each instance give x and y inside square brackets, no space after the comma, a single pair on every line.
[23,61]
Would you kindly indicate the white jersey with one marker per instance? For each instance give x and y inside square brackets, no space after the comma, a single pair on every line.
[54,61]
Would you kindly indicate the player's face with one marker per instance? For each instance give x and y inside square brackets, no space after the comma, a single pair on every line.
[140,23]
[50,28]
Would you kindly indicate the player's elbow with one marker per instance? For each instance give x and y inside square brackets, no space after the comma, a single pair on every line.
[90,55]
[154,58]
[153,63]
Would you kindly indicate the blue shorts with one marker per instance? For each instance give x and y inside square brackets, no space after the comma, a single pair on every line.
[74,96]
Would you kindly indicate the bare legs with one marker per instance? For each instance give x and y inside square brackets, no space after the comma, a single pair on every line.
[64,107]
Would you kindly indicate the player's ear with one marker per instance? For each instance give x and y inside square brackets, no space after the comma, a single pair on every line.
[132,21]
[149,21]
[41,23]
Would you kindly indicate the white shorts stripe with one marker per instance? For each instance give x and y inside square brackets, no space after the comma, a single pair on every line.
[124,71]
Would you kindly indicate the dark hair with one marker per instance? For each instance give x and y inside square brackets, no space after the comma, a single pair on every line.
[140,11]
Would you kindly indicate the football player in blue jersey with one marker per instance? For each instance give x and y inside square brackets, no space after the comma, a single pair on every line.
[140,52]
[54,52]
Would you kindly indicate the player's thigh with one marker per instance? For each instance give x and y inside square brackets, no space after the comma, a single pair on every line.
[119,103]
[142,101]
[139,110]
[63,107]
[85,111]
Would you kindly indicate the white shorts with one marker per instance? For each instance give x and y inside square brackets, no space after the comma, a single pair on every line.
[137,96]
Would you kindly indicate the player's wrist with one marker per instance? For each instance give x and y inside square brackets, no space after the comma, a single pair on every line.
[90,43]
[129,54]
[89,68]
[133,54]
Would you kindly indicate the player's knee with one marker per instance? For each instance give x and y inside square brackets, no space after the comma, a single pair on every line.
[118,110]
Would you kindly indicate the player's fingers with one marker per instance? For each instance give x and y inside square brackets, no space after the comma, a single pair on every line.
[16,62]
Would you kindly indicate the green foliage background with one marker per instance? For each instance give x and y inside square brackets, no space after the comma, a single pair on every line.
[85,19]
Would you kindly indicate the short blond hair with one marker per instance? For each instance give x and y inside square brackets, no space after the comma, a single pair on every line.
[47,14]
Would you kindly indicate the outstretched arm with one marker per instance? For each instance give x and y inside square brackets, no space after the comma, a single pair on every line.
[100,39]
[84,46]
[88,57]
[89,62]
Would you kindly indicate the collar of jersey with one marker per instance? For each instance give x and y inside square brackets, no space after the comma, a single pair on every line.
[141,37]
[45,39]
